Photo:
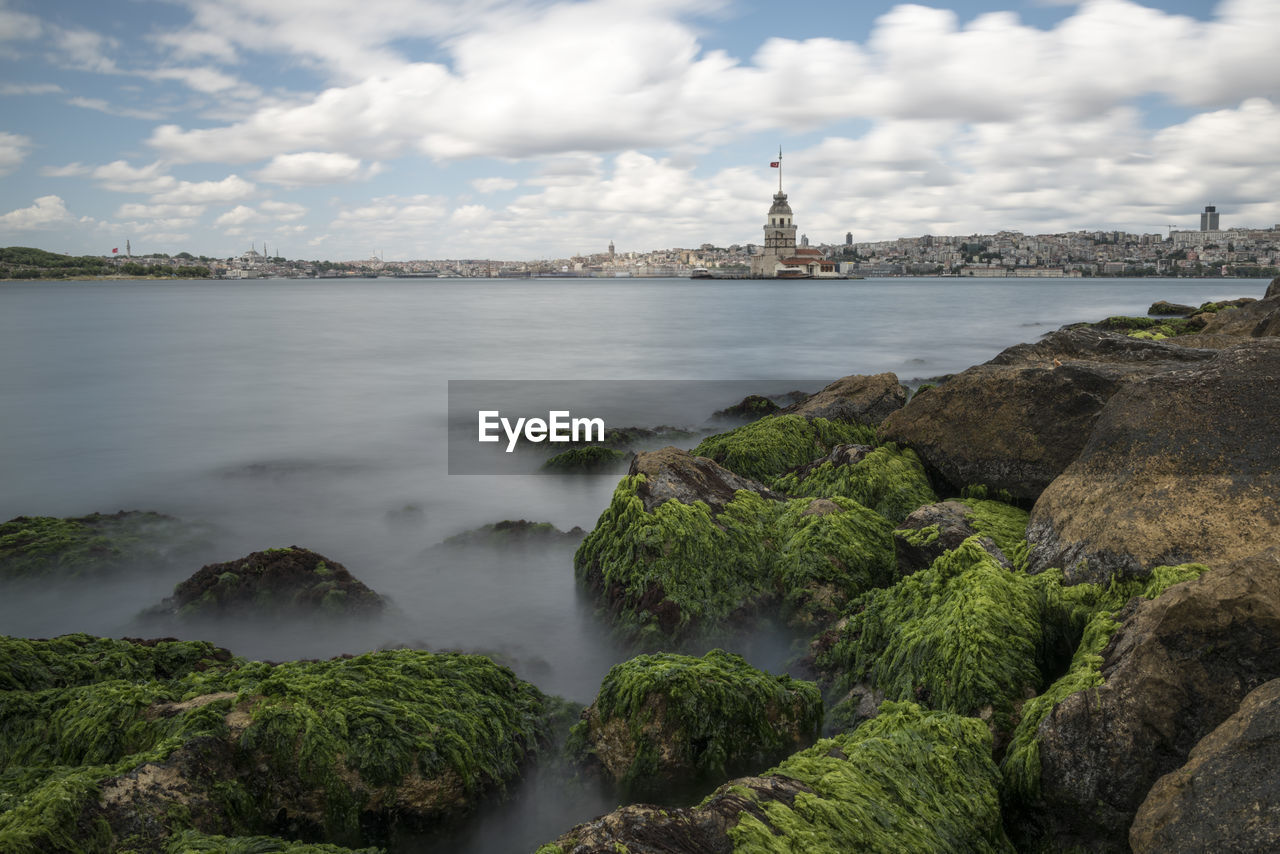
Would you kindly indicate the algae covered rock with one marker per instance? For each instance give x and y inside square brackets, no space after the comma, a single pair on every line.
[1181,466]
[933,529]
[666,569]
[113,745]
[288,581]
[666,721]
[1164,307]
[1255,319]
[1176,668]
[514,532]
[592,459]
[751,407]
[909,780]
[889,480]
[962,636]
[1227,796]
[857,398]
[1017,422]
[45,548]
[764,449]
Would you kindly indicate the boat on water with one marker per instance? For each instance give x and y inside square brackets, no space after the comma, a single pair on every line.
[700,273]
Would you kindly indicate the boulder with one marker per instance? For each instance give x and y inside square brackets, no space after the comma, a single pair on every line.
[1255,319]
[933,529]
[888,786]
[675,474]
[889,480]
[663,723]
[751,407]
[1177,667]
[771,446]
[1163,307]
[592,459]
[1273,289]
[1227,796]
[289,581]
[861,398]
[1180,466]
[514,532]
[1017,422]
[123,744]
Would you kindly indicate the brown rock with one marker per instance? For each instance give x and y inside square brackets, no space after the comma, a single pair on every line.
[952,521]
[672,473]
[1180,466]
[1273,289]
[1256,319]
[1175,669]
[861,398]
[1016,422]
[1227,796]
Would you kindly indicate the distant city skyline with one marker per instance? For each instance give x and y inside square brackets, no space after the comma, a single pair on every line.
[535,129]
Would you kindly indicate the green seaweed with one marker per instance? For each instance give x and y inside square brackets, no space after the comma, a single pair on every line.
[1005,524]
[78,711]
[958,636]
[194,842]
[708,716]
[1095,610]
[907,780]
[889,480]
[773,445]
[592,459]
[44,547]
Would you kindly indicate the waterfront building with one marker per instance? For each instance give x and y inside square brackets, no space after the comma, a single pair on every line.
[1209,219]
[781,258]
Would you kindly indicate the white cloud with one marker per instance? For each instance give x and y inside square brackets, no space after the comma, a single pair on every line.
[314,168]
[494,185]
[47,210]
[202,79]
[13,150]
[86,50]
[283,211]
[29,88]
[70,170]
[19,26]
[118,176]
[230,189]
[103,106]
[185,213]
[237,216]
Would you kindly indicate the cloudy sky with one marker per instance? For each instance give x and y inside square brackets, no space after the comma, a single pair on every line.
[520,129]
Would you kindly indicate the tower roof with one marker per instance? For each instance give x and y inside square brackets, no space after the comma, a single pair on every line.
[780,205]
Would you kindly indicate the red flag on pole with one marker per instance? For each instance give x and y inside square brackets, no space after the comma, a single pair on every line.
[114,251]
[775,165]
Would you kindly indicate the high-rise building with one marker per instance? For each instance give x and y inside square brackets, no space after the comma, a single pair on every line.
[848,238]
[1209,219]
[804,240]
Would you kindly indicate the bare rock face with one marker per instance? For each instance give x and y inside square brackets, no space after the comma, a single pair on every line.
[1017,422]
[1273,289]
[861,398]
[1181,466]
[672,473]
[1227,796]
[1175,669]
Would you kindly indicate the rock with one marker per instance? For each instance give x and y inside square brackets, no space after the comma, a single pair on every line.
[909,780]
[679,553]
[887,479]
[112,758]
[589,460]
[934,529]
[1273,289]
[518,532]
[675,474]
[1180,466]
[45,548]
[1227,796]
[1175,669]
[1254,319]
[751,407]
[765,449]
[1016,422]
[864,399]
[663,723]
[290,581]
[860,704]
[1162,307]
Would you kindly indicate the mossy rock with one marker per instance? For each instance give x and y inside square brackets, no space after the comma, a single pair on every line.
[772,446]
[681,570]
[908,780]
[665,722]
[889,480]
[97,545]
[514,532]
[194,842]
[962,636]
[191,739]
[589,460]
[751,407]
[289,581]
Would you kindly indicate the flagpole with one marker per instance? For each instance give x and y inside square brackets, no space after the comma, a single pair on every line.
[779,168]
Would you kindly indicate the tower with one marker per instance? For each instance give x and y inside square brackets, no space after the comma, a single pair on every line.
[1209,219]
[612,252]
[848,238]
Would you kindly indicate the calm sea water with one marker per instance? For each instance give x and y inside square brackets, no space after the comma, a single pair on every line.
[311,412]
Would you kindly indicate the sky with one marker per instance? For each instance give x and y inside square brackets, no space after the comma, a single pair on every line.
[534,129]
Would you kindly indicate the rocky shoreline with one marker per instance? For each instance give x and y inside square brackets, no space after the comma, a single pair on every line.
[1041,601]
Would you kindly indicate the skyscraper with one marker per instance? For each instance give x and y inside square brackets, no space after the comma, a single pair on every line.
[1209,219]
